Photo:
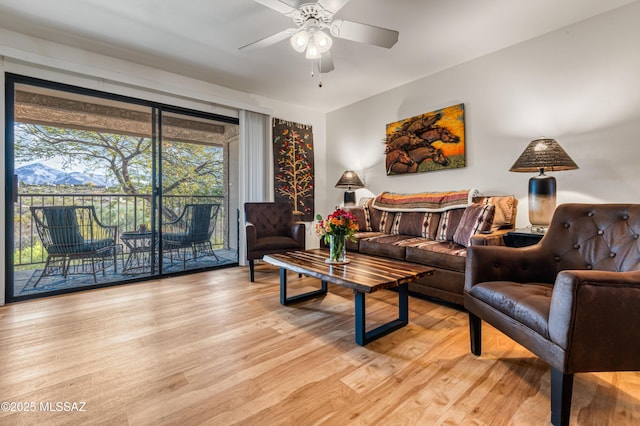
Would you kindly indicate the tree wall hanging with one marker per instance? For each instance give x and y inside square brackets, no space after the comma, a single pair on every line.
[293,167]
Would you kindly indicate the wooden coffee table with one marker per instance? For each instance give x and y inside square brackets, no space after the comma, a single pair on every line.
[364,274]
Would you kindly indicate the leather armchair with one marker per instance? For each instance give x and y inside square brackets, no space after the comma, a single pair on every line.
[270,229]
[573,299]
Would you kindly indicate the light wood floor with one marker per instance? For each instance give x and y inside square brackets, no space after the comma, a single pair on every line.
[212,348]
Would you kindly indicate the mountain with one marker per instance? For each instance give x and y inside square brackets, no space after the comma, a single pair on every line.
[41,174]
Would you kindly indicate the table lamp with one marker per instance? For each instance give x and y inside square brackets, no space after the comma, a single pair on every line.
[541,154]
[349,180]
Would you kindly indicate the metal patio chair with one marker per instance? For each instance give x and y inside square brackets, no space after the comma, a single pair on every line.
[75,240]
[192,230]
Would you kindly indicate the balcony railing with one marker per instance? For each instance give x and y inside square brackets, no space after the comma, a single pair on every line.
[125,211]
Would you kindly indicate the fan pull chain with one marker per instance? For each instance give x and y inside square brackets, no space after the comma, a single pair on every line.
[317,64]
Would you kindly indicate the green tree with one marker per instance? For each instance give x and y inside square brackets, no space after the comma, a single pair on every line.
[195,169]
[188,168]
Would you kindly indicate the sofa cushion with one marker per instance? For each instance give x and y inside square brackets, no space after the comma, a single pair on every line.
[417,224]
[385,245]
[359,236]
[448,223]
[368,235]
[476,218]
[445,255]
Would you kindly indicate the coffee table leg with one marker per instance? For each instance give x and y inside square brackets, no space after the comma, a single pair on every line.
[403,303]
[284,300]
[283,286]
[361,332]
[362,336]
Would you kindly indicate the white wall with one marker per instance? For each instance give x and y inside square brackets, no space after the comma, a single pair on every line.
[38,58]
[580,85]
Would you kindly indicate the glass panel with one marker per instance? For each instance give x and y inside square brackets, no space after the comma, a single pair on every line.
[197,214]
[85,212]
[91,160]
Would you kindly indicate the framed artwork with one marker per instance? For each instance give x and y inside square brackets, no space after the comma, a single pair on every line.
[427,142]
[293,167]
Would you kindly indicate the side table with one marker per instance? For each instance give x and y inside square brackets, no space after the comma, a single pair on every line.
[522,237]
[139,246]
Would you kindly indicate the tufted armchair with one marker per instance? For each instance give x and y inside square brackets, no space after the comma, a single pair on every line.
[270,229]
[573,299]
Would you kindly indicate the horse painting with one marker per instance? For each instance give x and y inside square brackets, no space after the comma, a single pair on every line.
[437,133]
[422,123]
[403,140]
[432,153]
[397,160]
[418,156]
[409,143]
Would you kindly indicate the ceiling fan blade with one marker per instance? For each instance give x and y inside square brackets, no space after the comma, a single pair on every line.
[364,33]
[332,6]
[277,5]
[326,63]
[269,40]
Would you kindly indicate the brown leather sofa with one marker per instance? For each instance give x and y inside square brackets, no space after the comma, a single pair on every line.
[404,236]
[573,299]
[270,229]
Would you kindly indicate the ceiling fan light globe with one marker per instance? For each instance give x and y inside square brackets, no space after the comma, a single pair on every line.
[299,41]
[312,50]
[322,41]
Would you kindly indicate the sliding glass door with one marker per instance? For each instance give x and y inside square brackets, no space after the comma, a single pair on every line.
[107,189]
[195,202]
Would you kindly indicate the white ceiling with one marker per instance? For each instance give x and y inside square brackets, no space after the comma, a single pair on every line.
[200,39]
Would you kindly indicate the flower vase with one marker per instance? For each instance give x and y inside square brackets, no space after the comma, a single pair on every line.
[338,249]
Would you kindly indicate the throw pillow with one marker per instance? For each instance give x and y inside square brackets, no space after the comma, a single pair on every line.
[448,224]
[367,217]
[417,224]
[476,218]
[504,209]
[377,220]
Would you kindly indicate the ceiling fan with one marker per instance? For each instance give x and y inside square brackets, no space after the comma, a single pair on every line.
[308,35]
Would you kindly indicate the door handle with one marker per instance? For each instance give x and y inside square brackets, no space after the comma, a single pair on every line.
[15,188]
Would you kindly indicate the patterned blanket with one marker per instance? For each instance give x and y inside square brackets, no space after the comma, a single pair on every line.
[424,201]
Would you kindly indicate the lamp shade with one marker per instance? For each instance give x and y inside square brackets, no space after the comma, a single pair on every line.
[543,154]
[349,180]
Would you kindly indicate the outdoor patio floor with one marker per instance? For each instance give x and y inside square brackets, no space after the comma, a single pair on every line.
[25,280]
